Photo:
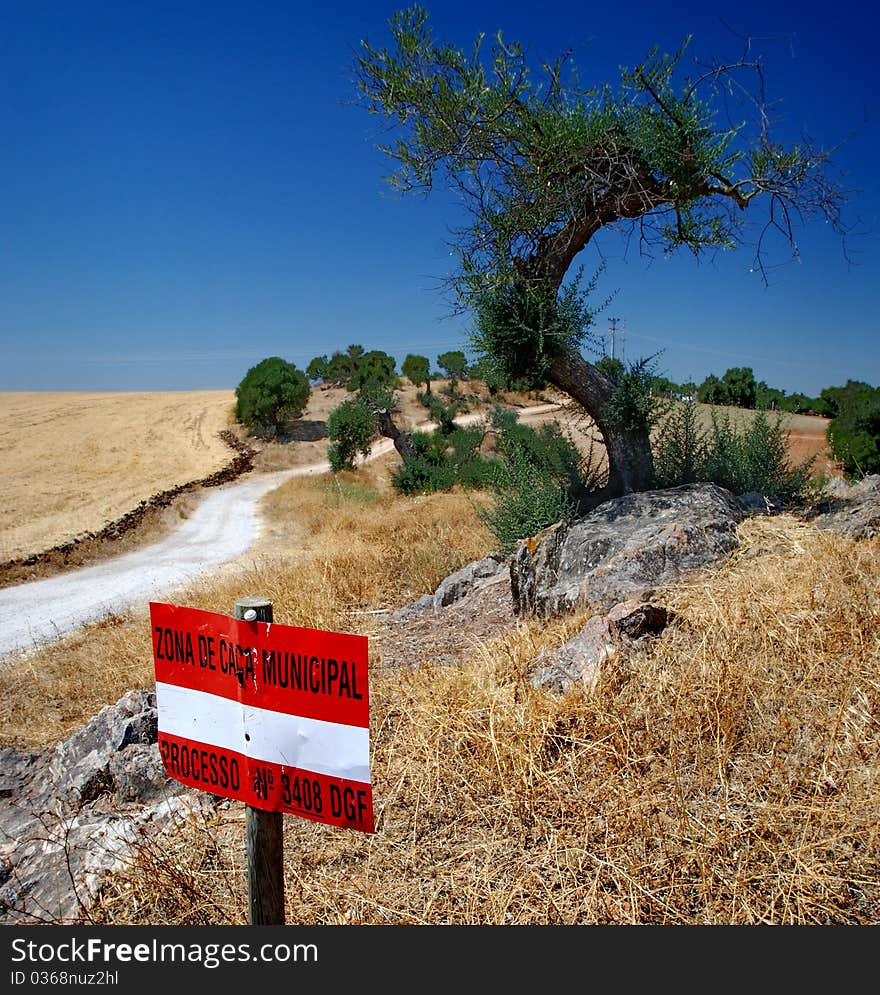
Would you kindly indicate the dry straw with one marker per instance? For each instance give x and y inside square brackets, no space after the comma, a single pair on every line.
[726,774]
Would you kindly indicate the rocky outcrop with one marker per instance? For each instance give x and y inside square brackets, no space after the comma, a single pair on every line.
[469,580]
[579,661]
[850,509]
[71,814]
[624,550]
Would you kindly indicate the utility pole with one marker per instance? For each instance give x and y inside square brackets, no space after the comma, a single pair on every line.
[613,323]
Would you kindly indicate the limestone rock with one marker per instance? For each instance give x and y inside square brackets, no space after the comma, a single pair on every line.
[850,509]
[580,660]
[624,549]
[69,815]
[457,586]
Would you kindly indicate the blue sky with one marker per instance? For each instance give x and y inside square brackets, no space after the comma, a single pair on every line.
[188,188]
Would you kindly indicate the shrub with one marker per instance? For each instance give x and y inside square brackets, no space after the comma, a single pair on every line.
[680,447]
[441,461]
[270,393]
[854,432]
[753,457]
[351,428]
[417,369]
[540,478]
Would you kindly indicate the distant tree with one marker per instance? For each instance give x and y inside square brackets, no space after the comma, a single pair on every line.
[741,386]
[339,369]
[664,387]
[544,163]
[269,394]
[317,369]
[854,431]
[342,366]
[713,391]
[798,404]
[417,369]
[454,364]
[688,390]
[374,371]
[832,399]
[768,398]
[351,428]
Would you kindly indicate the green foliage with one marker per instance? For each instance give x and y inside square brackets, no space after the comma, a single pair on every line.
[680,446]
[542,476]
[611,366]
[632,407]
[518,329]
[443,414]
[417,369]
[741,386]
[453,363]
[664,387]
[269,394]
[768,398]
[441,461]
[351,429]
[713,391]
[496,379]
[854,431]
[750,457]
[317,369]
[373,371]
[798,404]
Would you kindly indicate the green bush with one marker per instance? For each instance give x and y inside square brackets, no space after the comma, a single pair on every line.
[269,394]
[540,478]
[681,446]
[751,457]
[854,431]
[527,499]
[441,461]
[351,428]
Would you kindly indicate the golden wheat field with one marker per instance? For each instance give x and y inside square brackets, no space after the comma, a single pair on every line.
[72,462]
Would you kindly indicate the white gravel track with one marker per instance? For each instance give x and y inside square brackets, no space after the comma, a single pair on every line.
[222,528]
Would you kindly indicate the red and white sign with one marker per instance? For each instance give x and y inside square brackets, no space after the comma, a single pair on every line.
[276,716]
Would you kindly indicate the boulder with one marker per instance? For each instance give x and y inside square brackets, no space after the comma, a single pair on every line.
[850,509]
[70,815]
[579,661]
[624,550]
[471,578]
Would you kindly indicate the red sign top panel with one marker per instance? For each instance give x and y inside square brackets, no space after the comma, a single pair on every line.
[283,668]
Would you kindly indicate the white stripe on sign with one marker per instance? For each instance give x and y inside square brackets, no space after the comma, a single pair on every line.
[292,740]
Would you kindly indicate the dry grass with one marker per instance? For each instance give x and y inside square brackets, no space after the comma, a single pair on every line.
[333,553]
[727,775]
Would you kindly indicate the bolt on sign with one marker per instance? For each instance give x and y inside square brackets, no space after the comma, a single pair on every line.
[276,716]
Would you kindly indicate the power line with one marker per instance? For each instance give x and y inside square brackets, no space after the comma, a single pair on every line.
[613,322]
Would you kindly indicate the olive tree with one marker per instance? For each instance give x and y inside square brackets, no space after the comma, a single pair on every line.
[269,394]
[543,164]
[417,369]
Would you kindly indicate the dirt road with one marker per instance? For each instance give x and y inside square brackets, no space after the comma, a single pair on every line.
[222,528]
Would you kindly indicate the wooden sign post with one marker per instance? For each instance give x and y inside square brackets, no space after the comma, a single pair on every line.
[265,830]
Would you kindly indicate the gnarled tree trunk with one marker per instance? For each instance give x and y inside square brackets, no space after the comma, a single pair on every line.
[402,440]
[630,462]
